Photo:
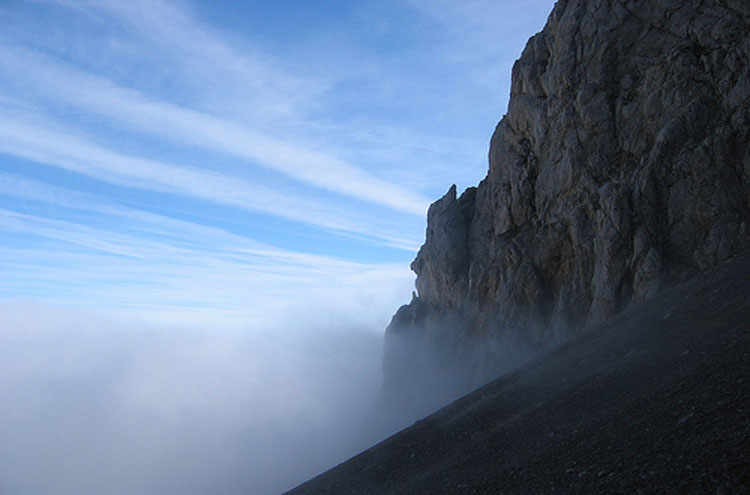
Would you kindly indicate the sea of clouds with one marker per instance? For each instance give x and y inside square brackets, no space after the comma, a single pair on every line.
[88,405]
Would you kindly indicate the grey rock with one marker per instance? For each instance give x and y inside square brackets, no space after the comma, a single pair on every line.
[621,165]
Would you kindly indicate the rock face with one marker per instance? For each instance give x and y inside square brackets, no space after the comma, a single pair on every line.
[622,164]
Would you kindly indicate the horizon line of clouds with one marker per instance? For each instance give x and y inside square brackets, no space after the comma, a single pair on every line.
[164,283]
[67,80]
[174,270]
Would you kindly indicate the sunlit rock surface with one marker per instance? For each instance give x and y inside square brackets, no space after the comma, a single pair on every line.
[621,165]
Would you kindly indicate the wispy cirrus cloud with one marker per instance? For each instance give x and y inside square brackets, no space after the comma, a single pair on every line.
[171,270]
[132,109]
[133,221]
[71,152]
[326,138]
[226,73]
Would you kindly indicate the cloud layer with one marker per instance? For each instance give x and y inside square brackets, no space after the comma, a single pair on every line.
[88,406]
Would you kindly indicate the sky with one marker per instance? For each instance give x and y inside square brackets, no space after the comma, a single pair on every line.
[186,162]
[177,176]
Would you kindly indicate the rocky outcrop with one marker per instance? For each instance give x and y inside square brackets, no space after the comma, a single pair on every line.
[621,164]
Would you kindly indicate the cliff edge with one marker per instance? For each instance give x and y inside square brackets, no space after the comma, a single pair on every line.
[622,165]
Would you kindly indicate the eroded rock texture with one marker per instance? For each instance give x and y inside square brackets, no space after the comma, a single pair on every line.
[622,163]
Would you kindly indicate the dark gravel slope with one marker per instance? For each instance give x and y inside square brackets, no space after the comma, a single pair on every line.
[656,401]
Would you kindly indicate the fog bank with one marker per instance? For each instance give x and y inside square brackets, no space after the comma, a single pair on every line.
[89,406]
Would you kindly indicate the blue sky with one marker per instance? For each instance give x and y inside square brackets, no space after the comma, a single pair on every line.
[228,162]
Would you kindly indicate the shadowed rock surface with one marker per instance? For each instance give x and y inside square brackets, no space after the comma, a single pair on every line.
[622,164]
[656,401]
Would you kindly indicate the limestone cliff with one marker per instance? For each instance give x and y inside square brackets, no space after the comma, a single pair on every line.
[622,164]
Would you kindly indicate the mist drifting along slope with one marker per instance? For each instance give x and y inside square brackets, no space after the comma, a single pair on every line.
[655,401]
[622,164]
